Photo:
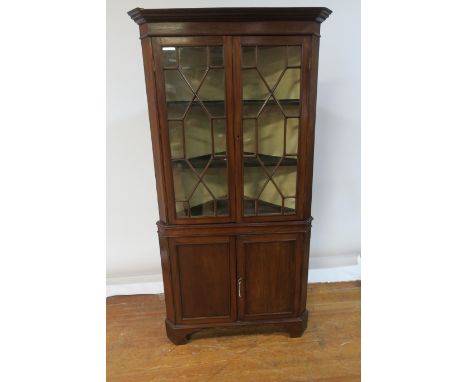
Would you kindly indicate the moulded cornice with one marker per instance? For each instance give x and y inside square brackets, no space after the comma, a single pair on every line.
[316,14]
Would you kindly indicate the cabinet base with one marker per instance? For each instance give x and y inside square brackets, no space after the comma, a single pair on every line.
[295,326]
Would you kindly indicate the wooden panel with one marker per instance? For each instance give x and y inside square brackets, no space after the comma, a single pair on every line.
[272,40]
[167,277]
[157,145]
[270,270]
[307,139]
[204,279]
[229,28]
[191,40]
[231,229]
[305,242]
[269,277]
[206,15]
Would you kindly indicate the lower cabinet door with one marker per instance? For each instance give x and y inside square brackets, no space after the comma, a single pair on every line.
[269,271]
[203,271]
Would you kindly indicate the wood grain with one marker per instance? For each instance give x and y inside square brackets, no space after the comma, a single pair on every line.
[270,267]
[315,14]
[329,350]
[205,281]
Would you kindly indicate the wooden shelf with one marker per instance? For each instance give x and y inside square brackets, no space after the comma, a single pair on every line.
[268,160]
[264,208]
[222,208]
[281,101]
[213,105]
[245,102]
[220,161]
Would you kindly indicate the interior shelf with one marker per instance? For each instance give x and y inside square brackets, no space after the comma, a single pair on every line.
[264,208]
[204,208]
[245,102]
[217,107]
[285,101]
[250,160]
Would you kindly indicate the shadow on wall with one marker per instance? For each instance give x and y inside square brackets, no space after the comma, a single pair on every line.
[336,185]
[132,209]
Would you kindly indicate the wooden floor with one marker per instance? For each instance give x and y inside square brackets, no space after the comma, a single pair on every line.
[329,350]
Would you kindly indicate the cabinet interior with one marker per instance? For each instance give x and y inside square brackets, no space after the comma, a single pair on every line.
[196,110]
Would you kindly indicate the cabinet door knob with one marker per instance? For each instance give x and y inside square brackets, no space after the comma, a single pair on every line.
[239,282]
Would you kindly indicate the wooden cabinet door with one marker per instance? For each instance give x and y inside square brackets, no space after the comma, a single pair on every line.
[204,279]
[274,127]
[269,269]
[195,114]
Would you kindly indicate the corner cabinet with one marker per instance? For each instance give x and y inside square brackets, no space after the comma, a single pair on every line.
[231,97]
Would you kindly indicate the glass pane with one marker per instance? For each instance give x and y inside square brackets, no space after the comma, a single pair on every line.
[219,136]
[178,94]
[249,136]
[285,180]
[271,63]
[195,96]
[289,205]
[211,92]
[216,56]
[294,56]
[184,180]
[255,179]
[193,64]
[287,92]
[170,57]
[201,202]
[270,200]
[292,135]
[197,132]
[176,139]
[248,55]
[182,209]
[271,101]
[215,179]
[249,207]
[254,92]
[271,131]
[222,207]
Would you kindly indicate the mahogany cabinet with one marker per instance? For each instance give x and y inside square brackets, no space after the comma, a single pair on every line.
[231,98]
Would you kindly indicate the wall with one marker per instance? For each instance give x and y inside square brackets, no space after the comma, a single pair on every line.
[132,247]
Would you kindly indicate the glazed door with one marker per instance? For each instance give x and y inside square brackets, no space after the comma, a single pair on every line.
[271,77]
[269,273]
[235,118]
[196,119]
[204,279]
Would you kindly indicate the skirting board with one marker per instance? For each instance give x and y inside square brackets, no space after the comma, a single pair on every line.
[141,285]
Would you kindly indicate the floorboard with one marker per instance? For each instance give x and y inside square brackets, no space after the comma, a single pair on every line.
[329,351]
